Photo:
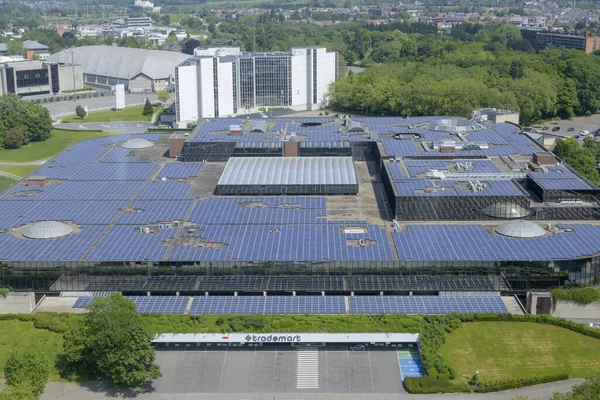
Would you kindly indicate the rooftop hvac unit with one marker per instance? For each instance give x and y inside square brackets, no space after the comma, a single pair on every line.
[145,229]
[176,224]
[361,242]
[163,179]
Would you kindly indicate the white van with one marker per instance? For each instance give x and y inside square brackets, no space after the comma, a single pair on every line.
[584,133]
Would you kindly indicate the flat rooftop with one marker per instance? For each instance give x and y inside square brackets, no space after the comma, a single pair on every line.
[134,205]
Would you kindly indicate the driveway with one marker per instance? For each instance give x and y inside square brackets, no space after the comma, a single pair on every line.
[117,127]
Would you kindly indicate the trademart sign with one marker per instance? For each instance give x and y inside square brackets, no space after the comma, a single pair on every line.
[273,338]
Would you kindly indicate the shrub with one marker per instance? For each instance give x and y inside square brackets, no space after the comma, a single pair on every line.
[583,296]
[27,368]
[13,139]
[326,112]
[487,387]
[428,384]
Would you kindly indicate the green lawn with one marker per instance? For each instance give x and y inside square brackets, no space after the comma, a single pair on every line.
[512,350]
[48,148]
[128,114]
[5,182]
[17,334]
[19,170]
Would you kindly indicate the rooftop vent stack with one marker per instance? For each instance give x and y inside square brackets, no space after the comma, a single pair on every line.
[235,130]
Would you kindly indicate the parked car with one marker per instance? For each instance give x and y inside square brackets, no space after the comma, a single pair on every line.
[545,128]
[571,129]
[358,347]
[556,128]
[584,133]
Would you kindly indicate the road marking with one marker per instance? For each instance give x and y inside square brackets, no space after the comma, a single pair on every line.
[308,368]
[223,368]
[371,370]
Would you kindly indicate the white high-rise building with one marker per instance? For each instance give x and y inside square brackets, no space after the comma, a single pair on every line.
[219,82]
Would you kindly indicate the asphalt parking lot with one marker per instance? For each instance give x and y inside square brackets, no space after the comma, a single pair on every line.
[278,370]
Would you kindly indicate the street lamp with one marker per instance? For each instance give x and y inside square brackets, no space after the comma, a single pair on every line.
[73,69]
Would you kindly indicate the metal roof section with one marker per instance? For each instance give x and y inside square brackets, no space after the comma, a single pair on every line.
[240,338]
[289,171]
[47,230]
[505,209]
[259,126]
[137,144]
[122,62]
[521,229]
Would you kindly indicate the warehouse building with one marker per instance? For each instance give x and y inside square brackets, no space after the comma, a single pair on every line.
[288,176]
[224,81]
[140,70]
[27,78]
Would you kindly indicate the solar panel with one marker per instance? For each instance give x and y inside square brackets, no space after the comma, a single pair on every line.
[180,170]
[426,304]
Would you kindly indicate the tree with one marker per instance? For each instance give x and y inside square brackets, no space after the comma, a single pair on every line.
[163,96]
[80,111]
[13,139]
[517,69]
[38,122]
[148,110]
[112,341]
[190,45]
[588,390]
[27,370]
[15,48]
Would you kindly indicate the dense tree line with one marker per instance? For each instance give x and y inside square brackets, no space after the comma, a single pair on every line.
[583,158]
[22,122]
[476,67]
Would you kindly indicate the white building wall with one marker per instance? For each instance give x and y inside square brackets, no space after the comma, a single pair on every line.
[187,93]
[299,78]
[206,95]
[325,74]
[225,89]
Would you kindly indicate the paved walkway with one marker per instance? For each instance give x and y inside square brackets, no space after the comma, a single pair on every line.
[97,391]
[36,162]
[116,127]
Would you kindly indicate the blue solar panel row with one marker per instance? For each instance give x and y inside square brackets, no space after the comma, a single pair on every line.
[15,213]
[148,304]
[268,305]
[314,304]
[145,211]
[394,147]
[284,243]
[248,210]
[72,247]
[413,187]
[123,243]
[180,170]
[119,155]
[76,190]
[165,190]
[426,304]
[99,172]
[474,243]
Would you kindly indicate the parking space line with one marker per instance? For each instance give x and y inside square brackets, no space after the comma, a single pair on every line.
[348,368]
[223,367]
[370,370]
[253,364]
[274,368]
[326,380]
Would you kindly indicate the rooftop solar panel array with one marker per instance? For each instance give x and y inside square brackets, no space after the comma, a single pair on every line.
[268,305]
[394,147]
[147,304]
[283,243]
[69,248]
[15,213]
[180,170]
[119,155]
[144,211]
[412,187]
[122,243]
[76,190]
[165,190]
[99,172]
[260,210]
[313,304]
[427,304]
[474,243]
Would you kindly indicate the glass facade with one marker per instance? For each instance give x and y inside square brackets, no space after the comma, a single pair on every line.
[513,277]
[273,81]
[246,83]
[35,77]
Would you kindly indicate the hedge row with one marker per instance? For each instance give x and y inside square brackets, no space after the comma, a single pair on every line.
[542,319]
[428,384]
[582,296]
[518,383]
[52,322]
